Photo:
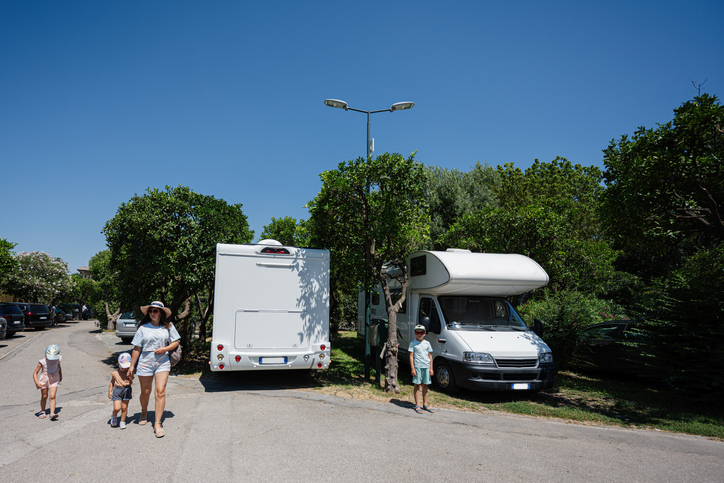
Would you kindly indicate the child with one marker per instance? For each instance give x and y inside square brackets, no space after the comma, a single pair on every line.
[50,376]
[120,391]
[421,364]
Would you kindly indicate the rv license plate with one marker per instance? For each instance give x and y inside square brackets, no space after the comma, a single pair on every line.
[272,360]
[43,318]
[520,386]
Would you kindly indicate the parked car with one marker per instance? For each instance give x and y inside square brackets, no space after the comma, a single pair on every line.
[614,346]
[37,316]
[14,317]
[3,328]
[71,311]
[126,327]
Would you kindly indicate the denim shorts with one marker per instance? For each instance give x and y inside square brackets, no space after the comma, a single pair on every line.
[122,393]
[150,363]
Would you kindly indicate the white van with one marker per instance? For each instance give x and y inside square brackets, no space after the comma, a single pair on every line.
[271,308]
[479,340]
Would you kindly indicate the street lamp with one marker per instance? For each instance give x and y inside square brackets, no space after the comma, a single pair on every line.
[398,106]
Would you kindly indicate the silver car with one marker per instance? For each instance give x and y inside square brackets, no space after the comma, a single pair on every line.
[126,327]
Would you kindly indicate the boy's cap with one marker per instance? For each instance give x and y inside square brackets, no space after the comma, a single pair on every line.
[52,353]
[124,360]
[420,328]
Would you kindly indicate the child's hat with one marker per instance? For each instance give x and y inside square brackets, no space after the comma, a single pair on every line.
[52,353]
[124,360]
[420,328]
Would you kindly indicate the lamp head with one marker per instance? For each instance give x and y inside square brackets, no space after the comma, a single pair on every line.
[336,103]
[401,106]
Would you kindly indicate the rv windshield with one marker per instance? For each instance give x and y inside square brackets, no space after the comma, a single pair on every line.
[484,313]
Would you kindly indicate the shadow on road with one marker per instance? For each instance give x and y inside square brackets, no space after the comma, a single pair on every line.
[257,381]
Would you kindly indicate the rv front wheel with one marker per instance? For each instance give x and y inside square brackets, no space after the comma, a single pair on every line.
[444,378]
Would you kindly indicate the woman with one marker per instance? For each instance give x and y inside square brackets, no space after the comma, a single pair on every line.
[153,341]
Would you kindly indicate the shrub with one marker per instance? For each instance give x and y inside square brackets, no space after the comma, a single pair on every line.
[565,314]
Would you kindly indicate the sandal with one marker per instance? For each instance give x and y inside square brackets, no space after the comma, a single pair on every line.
[428,409]
[54,417]
[42,415]
[418,409]
[159,432]
[143,419]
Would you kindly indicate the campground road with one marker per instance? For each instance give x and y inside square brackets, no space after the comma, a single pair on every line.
[224,430]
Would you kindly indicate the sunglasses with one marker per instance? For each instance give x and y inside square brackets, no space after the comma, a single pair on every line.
[419,332]
[154,311]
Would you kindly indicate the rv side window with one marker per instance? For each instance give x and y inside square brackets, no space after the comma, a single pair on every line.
[428,309]
[395,294]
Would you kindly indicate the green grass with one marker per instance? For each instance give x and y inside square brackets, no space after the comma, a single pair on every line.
[582,398]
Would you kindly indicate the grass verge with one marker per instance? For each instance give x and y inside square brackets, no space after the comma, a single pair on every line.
[579,398]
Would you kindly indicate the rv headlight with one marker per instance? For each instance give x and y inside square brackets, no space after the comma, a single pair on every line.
[479,357]
[546,357]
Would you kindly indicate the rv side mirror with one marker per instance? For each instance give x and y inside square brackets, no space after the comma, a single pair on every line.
[425,322]
[538,327]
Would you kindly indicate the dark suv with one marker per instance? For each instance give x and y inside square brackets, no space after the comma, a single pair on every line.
[37,316]
[14,316]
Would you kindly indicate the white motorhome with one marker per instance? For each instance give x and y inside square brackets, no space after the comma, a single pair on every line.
[479,340]
[271,308]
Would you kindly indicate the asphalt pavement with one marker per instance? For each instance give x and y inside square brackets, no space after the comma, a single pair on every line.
[222,429]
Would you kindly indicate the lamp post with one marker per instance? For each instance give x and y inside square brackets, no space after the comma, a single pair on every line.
[398,106]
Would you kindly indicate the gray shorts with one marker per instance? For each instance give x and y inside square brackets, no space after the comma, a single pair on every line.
[121,393]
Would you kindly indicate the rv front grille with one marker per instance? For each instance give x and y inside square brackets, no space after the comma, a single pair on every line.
[517,362]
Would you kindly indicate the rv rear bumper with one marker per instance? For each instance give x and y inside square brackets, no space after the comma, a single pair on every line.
[481,378]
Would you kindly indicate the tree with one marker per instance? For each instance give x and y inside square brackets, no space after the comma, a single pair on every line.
[451,193]
[38,277]
[375,204]
[666,185]
[7,261]
[108,288]
[163,244]
[286,231]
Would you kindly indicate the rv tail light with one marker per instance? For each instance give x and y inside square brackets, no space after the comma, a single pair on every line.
[319,365]
[221,366]
[237,358]
[322,347]
[219,347]
[220,357]
[321,356]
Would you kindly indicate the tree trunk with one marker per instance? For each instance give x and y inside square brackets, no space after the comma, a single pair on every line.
[391,383]
[112,318]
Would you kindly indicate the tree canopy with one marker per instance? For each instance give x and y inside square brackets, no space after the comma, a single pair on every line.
[38,277]
[163,244]
[287,231]
[667,184]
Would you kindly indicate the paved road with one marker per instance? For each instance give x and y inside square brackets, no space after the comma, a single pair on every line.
[224,430]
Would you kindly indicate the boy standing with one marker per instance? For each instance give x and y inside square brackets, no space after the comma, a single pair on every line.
[421,364]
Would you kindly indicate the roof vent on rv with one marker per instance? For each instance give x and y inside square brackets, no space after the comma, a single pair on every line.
[458,250]
[268,241]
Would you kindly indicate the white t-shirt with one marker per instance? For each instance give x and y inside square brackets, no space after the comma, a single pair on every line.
[149,337]
[421,349]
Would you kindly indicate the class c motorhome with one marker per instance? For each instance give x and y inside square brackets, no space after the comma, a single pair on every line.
[271,308]
[479,340]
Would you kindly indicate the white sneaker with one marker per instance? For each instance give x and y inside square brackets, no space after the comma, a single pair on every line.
[123,425]
[114,422]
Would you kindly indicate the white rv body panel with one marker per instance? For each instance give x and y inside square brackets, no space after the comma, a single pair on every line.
[466,294]
[271,308]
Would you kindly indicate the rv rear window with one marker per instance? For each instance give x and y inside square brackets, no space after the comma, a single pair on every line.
[275,251]
[418,266]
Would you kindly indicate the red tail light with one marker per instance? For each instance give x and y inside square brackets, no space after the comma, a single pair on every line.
[219,347]
[237,358]
[322,347]
[221,366]
[319,364]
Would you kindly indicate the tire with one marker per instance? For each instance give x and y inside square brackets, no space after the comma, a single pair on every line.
[444,378]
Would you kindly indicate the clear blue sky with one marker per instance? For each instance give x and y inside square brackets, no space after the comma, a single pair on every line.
[102,100]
